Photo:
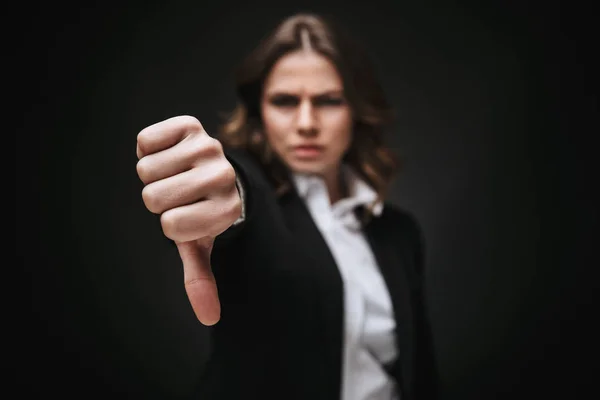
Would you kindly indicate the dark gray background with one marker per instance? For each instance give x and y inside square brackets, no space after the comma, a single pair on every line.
[497,111]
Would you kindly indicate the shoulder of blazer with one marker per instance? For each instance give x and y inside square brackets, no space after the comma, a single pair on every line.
[406,224]
[401,219]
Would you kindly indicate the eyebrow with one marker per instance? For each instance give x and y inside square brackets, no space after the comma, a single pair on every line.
[331,92]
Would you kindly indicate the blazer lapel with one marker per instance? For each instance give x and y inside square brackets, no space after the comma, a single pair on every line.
[388,251]
[328,281]
[393,266]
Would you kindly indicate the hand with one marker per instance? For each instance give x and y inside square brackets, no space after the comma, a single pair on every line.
[190,183]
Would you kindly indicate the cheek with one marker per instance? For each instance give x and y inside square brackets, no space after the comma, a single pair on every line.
[339,125]
[276,125]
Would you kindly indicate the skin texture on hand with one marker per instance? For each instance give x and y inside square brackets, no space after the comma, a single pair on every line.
[191,185]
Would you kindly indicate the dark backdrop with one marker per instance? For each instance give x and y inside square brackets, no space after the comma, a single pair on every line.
[496,108]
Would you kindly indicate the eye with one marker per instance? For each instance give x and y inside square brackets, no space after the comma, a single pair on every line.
[284,100]
[328,101]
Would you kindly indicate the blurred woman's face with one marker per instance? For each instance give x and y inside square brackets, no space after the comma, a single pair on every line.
[306,118]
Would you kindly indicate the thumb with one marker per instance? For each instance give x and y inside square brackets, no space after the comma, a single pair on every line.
[200,283]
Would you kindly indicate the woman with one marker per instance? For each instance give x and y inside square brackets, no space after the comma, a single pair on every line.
[320,281]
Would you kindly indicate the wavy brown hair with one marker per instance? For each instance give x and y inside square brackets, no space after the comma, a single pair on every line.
[371,111]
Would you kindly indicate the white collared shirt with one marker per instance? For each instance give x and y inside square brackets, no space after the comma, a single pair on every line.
[368,316]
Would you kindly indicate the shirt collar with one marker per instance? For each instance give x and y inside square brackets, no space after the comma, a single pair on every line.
[360,193]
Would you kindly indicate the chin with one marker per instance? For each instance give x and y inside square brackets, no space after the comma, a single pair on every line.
[308,167]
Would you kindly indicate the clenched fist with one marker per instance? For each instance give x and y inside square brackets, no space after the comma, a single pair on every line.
[190,183]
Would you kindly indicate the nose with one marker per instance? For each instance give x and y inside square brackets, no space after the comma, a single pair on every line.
[307,124]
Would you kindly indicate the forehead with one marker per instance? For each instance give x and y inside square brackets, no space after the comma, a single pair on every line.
[303,71]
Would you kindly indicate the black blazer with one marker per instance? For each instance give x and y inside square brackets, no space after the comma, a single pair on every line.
[281,328]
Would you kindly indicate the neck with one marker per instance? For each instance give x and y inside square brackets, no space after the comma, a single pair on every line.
[336,188]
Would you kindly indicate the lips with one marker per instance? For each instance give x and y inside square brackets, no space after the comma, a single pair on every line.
[308,151]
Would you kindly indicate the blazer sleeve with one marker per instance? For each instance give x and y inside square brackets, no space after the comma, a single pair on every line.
[427,371]
[253,187]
